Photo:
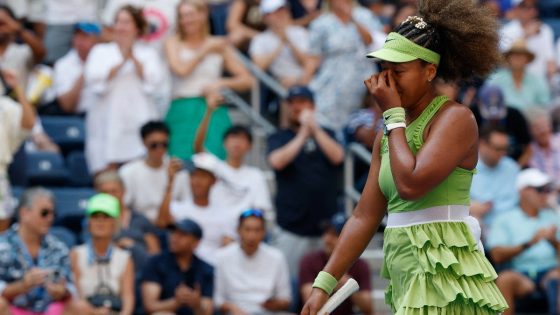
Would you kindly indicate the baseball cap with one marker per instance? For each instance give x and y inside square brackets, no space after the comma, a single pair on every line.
[337,222]
[269,6]
[300,91]
[89,28]
[491,102]
[103,203]
[532,177]
[187,226]
[204,161]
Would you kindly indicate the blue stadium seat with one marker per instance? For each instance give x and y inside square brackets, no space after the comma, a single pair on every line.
[46,168]
[549,8]
[68,132]
[554,23]
[64,235]
[79,173]
[70,207]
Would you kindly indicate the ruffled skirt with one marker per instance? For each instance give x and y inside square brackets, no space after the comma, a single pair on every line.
[436,268]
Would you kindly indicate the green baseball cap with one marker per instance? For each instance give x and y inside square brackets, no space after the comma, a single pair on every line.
[398,48]
[103,203]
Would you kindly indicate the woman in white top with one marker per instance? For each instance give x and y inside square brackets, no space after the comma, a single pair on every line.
[101,269]
[125,75]
[197,62]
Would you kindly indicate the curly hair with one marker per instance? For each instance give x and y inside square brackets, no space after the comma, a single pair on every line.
[137,17]
[465,35]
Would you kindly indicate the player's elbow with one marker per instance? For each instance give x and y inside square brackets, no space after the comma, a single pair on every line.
[410,192]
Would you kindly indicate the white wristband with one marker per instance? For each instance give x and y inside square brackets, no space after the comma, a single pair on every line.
[390,127]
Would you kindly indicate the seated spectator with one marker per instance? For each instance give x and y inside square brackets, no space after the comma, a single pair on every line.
[178,282]
[306,160]
[243,186]
[19,58]
[16,122]
[493,187]
[104,273]
[305,11]
[124,74]
[283,48]
[35,275]
[60,17]
[522,89]
[339,39]
[491,109]
[251,276]
[527,238]
[135,233]
[197,62]
[73,96]
[244,22]
[314,262]
[147,179]
[545,146]
[539,37]
[217,220]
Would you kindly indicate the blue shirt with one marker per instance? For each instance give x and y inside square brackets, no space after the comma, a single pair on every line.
[515,228]
[164,270]
[496,184]
[534,90]
[15,261]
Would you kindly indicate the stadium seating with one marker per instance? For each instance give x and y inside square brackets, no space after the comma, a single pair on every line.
[67,132]
[554,23]
[79,174]
[45,168]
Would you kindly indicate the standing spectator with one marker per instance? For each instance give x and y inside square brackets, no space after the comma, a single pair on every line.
[243,186]
[73,96]
[216,219]
[306,160]
[104,273]
[135,232]
[160,15]
[16,122]
[147,179]
[197,62]
[244,22]
[125,75]
[522,89]
[178,282]
[545,146]
[538,35]
[527,237]
[35,274]
[61,16]
[339,40]
[491,109]
[283,49]
[19,58]
[314,262]
[493,187]
[251,277]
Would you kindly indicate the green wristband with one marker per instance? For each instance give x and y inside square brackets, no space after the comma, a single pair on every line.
[394,115]
[326,282]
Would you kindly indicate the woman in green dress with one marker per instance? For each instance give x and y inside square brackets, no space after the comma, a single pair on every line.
[422,167]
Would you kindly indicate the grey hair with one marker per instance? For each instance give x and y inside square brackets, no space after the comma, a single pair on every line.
[30,195]
[536,114]
[108,177]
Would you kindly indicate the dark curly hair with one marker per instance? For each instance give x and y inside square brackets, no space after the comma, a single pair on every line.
[137,17]
[465,35]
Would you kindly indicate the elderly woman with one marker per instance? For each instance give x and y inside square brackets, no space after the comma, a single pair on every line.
[104,273]
[126,76]
[197,62]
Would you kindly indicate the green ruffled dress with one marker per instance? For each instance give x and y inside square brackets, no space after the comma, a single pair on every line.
[434,268]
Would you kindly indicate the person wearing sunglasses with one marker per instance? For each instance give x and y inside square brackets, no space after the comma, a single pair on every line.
[527,238]
[148,179]
[493,188]
[35,274]
[251,277]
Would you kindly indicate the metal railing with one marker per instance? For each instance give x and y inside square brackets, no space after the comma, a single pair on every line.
[351,195]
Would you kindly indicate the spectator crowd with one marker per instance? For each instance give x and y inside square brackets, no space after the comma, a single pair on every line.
[175,220]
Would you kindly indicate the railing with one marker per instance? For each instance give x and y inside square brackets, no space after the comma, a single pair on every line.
[352,195]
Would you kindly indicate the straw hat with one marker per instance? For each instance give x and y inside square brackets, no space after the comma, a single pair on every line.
[520,47]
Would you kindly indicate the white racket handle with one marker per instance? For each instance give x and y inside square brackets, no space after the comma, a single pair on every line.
[349,288]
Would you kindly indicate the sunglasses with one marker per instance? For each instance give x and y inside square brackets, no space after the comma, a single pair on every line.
[46,212]
[544,189]
[155,145]
[252,213]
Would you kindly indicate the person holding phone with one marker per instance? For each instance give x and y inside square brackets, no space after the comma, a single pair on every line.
[421,170]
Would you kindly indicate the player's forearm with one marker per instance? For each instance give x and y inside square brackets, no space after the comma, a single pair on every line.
[403,163]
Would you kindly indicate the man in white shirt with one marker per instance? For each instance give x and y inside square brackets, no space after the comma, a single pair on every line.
[217,220]
[251,277]
[147,179]
[72,94]
[283,48]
